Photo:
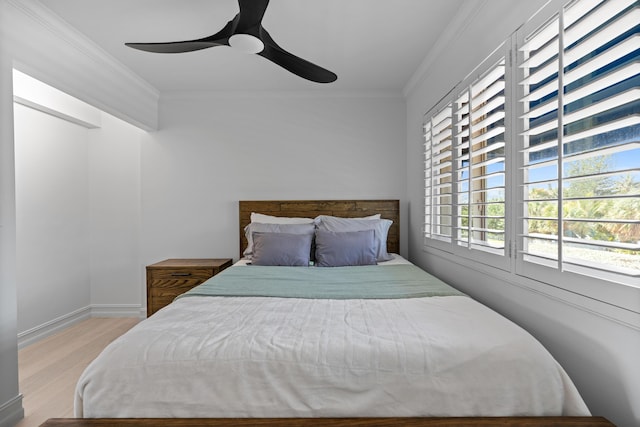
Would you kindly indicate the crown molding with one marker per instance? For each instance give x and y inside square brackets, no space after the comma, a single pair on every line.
[283,94]
[59,28]
[47,47]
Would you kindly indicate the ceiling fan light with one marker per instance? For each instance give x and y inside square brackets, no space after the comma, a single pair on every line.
[246,43]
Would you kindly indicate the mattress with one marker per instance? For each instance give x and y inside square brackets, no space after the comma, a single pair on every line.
[278,356]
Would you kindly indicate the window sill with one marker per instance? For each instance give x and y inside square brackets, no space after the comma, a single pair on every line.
[625,316]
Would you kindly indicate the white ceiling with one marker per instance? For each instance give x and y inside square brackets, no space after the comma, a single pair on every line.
[372,45]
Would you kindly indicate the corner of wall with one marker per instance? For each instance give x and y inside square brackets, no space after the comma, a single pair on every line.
[10,400]
[11,412]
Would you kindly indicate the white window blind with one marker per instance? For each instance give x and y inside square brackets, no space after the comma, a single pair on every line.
[465,139]
[580,145]
[480,163]
[438,175]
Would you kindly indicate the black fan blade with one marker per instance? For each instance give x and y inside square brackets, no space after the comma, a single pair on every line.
[251,14]
[221,38]
[247,21]
[292,63]
[172,47]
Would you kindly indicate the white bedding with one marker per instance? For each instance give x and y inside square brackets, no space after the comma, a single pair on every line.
[287,357]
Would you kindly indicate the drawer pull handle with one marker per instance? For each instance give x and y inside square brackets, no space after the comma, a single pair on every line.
[180,274]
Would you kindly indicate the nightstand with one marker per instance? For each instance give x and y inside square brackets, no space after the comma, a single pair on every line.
[169,278]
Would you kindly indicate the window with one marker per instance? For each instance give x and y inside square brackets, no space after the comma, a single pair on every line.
[569,135]
[480,163]
[466,166]
[438,175]
[581,141]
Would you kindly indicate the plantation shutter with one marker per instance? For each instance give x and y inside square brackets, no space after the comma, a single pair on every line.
[438,175]
[580,143]
[465,139]
[480,163]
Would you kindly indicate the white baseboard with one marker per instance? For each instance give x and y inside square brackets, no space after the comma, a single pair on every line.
[39,332]
[11,412]
[94,310]
[115,310]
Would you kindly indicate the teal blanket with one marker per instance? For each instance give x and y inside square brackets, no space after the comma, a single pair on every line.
[370,282]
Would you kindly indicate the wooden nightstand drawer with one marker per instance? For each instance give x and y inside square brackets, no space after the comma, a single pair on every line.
[166,288]
[184,274]
[172,277]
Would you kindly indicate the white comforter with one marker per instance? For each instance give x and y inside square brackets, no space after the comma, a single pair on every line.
[277,357]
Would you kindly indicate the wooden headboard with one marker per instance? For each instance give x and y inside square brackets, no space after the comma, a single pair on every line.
[389,209]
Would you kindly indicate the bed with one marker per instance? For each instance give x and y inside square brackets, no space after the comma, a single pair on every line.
[384,339]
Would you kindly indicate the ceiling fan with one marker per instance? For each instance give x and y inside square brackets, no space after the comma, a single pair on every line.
[246,33]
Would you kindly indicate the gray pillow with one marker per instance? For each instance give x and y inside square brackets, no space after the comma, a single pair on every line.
[337,249]
[379,226]
[281,249]
[320,218]
[274,228]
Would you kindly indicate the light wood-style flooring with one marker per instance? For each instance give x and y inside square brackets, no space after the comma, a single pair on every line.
[49,369]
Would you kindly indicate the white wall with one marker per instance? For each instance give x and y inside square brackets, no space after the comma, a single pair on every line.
[52,207]
[599,353]
[117,278]
[215,149]
[78,214]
